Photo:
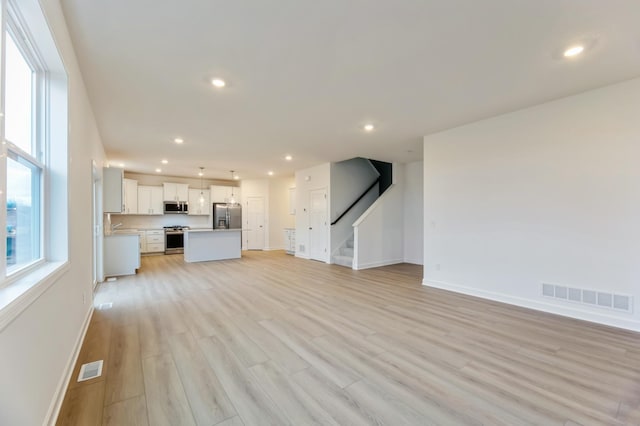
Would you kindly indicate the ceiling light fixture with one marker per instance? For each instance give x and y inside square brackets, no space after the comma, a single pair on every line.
[178,140]
[165,161]
[368,127]
[232,200]
[270,173]
[218,82]
[573,51]
[201,199]
[288,158]
[158,170]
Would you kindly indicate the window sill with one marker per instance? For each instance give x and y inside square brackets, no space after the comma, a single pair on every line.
[18,295]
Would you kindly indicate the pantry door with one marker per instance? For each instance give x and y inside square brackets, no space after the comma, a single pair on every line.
[255,223]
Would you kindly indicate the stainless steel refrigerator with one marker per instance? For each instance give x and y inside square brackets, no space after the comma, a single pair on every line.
[227,216]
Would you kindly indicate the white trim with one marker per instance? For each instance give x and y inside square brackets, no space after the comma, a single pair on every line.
[416,261]
[378,264]
[374,206]
[16,297]
[571,312]
[56,403]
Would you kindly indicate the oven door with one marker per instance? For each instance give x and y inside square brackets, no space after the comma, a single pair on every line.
[173,242]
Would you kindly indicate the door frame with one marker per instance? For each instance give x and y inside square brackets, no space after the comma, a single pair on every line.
[326,257]
[264,223]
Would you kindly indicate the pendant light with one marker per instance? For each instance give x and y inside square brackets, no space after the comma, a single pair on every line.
[201,199]
[232,200]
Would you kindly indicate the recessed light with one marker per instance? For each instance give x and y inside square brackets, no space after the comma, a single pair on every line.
[368,127]
[288,158]
[573,51]
[270,173]
[158,170]
[218,82]
[178,140]
[165,161]
[121,165]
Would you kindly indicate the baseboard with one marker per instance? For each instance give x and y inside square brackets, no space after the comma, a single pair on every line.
[379,263]
[56,403]
[414,261]
[566,311]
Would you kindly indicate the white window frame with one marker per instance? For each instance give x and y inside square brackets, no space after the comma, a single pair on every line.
[15,26]
[30,28]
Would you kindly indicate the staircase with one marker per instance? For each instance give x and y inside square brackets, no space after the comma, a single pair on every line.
[344,256]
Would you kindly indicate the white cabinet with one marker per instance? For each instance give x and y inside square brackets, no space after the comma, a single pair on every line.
[176,192]
[130,196]
[121,254]
[154,240]
[150,200]
[112,189]
[195,206]
[290,240]
[223,194]
[143,241]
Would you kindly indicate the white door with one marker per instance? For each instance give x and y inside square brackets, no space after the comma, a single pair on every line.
[255,223]
[318,228]
[96,192]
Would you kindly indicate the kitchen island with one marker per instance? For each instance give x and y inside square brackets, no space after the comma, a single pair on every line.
[201,245]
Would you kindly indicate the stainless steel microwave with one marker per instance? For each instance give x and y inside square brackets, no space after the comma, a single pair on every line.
[176,207]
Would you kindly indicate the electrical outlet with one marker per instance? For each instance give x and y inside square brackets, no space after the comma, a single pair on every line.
[84,297]
[437,266]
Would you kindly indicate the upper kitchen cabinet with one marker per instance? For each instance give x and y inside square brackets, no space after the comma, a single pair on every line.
[223,194]
[176,192]
[150,200]
[113,190]
[197,208]
[130,196]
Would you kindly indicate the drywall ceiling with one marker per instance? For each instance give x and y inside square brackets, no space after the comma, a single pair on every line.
[304,76]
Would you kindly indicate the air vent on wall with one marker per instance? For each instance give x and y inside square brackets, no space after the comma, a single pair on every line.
[90,371]
[603,299]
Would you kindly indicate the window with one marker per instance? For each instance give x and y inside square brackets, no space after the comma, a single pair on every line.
[24,170]
[33,154]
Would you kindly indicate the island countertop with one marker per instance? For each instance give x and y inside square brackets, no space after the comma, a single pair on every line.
[211,230]
[204,244]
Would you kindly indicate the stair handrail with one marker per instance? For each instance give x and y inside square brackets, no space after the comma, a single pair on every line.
[356,201]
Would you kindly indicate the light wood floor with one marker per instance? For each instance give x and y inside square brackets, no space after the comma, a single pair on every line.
[275,340]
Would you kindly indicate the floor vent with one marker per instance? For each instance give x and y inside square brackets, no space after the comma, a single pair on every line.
[618,302]
[90,371]
[104,306]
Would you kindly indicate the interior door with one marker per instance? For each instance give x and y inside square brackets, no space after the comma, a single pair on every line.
[318,228]
[96,207]
[255,223]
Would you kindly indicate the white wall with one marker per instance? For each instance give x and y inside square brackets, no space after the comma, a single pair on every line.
[37,348]
[546,194]
[279,217]
[413,213]
[349,179]
[379,232]
[307,180]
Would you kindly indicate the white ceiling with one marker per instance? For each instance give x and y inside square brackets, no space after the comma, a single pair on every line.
[304,76]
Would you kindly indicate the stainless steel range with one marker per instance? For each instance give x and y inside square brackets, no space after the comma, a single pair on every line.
[174,239]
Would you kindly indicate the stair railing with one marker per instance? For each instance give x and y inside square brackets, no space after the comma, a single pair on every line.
[356,201]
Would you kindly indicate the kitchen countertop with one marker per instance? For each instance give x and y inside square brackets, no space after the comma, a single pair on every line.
[212,230]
